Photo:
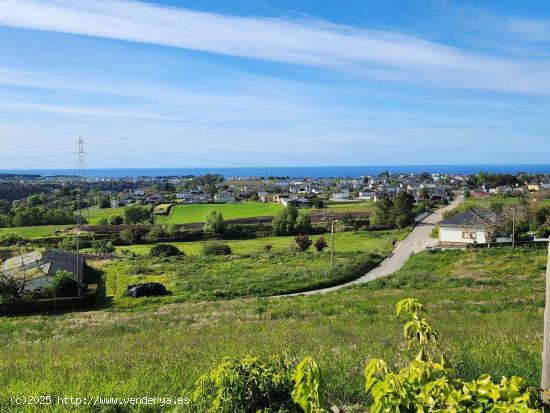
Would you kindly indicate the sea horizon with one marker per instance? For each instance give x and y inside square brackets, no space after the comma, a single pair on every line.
[287,171]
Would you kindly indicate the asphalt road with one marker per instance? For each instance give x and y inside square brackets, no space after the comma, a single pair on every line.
[418,240]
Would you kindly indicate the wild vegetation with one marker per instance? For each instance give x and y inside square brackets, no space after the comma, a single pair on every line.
[163,349]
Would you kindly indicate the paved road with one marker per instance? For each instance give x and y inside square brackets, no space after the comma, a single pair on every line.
[416,241]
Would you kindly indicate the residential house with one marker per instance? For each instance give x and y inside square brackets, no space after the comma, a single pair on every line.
[37,268]
[367,195]
[298,202]
[226,196]
[470,227]
[341,196]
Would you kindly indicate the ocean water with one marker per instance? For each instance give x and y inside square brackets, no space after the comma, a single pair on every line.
[293,172]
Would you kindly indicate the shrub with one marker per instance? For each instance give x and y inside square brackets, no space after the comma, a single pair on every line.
[164,250]
[103,247]
[131,236]
[64,284]
[155,234]
[216,248]
[426,385]
[303,242]
[249,384]
[320,244]
[10,239]
[115,220]
[67,244]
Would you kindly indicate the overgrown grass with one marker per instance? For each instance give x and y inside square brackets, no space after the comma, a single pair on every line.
[186,214]
[223,277]
[487,305]
[355,241]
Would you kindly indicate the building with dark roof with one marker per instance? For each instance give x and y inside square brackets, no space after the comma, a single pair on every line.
[470,227]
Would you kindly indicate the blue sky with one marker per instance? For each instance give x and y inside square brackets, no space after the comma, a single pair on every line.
[281,83]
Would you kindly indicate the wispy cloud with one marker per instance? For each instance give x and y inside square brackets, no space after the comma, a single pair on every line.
[377,54]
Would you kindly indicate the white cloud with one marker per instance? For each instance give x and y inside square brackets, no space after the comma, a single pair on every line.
[377,54]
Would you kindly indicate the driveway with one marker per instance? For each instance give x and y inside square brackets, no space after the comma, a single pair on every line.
[417,240]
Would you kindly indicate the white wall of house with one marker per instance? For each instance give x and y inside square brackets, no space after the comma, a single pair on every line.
[462,235]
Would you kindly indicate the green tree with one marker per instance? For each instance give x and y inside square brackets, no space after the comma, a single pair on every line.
[135,214]
[214,223]
[291,222]
[383,214]
[402,209]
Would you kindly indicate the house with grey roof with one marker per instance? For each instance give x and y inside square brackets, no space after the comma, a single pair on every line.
[470,227]
[37,269]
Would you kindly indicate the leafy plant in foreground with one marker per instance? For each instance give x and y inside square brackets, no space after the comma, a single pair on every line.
[429,386]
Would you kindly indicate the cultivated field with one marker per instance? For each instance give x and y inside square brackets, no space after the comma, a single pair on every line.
[487,305]
[187,214]
[95,215]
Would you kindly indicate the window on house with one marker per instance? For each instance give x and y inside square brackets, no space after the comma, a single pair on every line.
[468,235]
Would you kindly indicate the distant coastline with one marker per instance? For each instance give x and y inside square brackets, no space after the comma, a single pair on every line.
[290,171]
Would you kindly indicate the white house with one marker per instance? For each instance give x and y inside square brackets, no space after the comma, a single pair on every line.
[366,195]
[341,196]
[470,227]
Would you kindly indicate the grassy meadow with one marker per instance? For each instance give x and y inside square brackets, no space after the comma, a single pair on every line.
[353,241]
[191,213]
[224,277]
[95,215]
[36,232]
[487,305]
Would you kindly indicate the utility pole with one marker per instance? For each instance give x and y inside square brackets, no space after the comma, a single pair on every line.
[79,211]
[514,227]
[332,246]
[545,382]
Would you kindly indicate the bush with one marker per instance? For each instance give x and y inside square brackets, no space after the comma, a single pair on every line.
[64,284]
[67,244]
[155,234]
[103,247]
[164,250]
[320,244]
[10,239]
[303,242]
[115,220]
[249,384]
[131,236]
[216,248]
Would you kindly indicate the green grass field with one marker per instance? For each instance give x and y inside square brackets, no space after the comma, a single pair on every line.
[486,304]
[223,277]
[95,215]
[36,232]
[355,241]
[187,214]
[367,206]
